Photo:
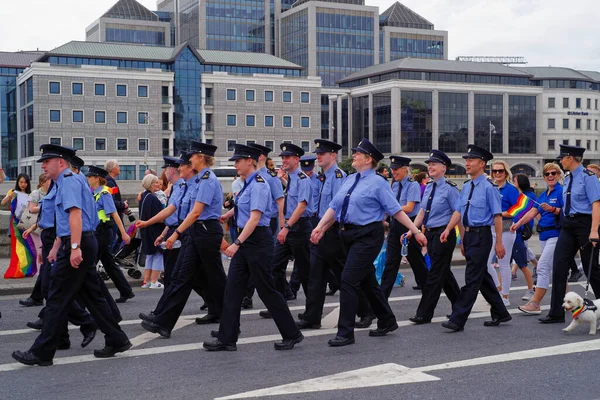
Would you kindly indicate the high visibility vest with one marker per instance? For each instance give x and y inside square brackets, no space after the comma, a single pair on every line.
[101,213]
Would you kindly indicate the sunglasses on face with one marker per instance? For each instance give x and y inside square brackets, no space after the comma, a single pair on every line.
[498,171]
[550,173]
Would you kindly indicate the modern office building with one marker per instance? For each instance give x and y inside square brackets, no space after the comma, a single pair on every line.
[130,22]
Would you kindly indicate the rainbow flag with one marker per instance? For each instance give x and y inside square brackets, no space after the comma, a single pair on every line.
[457,235]
[22,251]
[521,207]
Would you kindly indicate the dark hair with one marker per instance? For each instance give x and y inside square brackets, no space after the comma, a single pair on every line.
[523,182]
[420,176]
[26,177]
[382,168]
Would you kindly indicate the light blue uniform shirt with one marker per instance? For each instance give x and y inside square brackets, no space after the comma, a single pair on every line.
[316,186]
[188,198]
[254,197]
[584,191]
[209,193]
[442,205]
[105,202]
[485,202]
[411,191]
[276,190]
[174,199]
[329,185]
[299,190]
[371,199]
[47,209]
[74,192]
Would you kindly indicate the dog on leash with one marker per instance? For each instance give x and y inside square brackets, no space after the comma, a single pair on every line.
[584,312]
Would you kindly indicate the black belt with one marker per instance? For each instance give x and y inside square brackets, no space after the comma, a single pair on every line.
[349,227]
[83,234]
[578,216]
[173,226]
[206,220]
[439,228]
[477,228]
[105,225]
[547,228]
[303,219]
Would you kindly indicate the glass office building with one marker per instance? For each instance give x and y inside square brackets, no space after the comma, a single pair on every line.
[236,25]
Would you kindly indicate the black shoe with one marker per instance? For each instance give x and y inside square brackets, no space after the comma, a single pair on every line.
[302,324]
[64,346]
[208,319]
[383,331]
[417,287]
[88,337]
[28,358]
[147,317]
[301,315]
[109,351]
[29,302]
[203,307]
[498,321]
[265,314]
[551,320]
[119,319]
[123,299]
[37,325]
[365,321]
[575,276]
[217,345]
[290,295]
[419,320]
[339,341]
[215,334]
[288,344]
[247,303]
[452,326]
[154,328]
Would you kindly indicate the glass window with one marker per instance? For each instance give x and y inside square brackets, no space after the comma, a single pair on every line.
[269,144]
[588,145]
[551,123]
[566,142]
[578,103]
[231,145]
[249,95]
[143,118]
[99,89]
[565,102]
[589,104]
[416,109]
[578,142]
[578,123]
[231,120]
[77,116]
[121,144]
[127,173]
[596,104]
[143,144]
[268,120]
[250,120]
[100,117]
[121,90]
[54,115]
[589,124]
[287,121]
[77,88]
[54,87]
[268,95]
[142,91]
[121,117]
[305,146]
[249,142]
[287,97]
[595,124]
[565,123]
[305,122]
[56,141]
[78,144]
[551,144]
[231,94]
[551,102]
[304,97]
[100,144]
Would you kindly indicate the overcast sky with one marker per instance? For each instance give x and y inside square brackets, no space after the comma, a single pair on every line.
[546,32]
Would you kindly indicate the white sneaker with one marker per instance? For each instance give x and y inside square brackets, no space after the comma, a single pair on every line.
[528,295]
[147,285]
[506,302]
[156,285]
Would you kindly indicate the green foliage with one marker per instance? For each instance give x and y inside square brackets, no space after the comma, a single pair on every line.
[346,165]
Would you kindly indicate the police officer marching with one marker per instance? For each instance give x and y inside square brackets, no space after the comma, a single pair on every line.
[434,215]
[307,164]
[477,209]
[74,253]
[579,229]
[251,255]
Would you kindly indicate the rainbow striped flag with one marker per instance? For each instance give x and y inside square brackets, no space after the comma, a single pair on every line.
[521,207]
[22,251]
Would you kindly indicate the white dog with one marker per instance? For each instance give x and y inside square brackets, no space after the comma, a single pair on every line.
[582,312]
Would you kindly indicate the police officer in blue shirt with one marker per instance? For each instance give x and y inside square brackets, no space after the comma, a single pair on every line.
[251,255]
[408,193]
[307,164]
[579,231]
[477,209]
[437,207]
[201,256]
[328,254]
[74,273]
[360,207]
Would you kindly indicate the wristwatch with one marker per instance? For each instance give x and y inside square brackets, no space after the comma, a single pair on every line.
[74,246]
[286,225]
[237,241]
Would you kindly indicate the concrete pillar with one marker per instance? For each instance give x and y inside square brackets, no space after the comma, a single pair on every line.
[202,113]
[312,41]
[338,125]
[435,120]
[349,123]
[471,118]
[505,127]
[371,119]
[330,125]
[539,125]
[396,120]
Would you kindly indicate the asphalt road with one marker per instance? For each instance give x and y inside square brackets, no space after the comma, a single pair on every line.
[520,359]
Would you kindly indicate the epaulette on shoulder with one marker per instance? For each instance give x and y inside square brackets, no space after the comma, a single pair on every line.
[589,172]
[302,175]
[430,182]
[411,179]
[206,175]
[491,181]
[259,178]
[378,174]
[339,174]
[451,184]
[272,173]
[467,181]
[68,174]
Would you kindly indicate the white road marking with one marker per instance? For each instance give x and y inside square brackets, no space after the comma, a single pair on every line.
[148,336]
[330,321]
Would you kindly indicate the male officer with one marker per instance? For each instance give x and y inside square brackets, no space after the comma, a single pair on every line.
[437,207]
[328,253]
[307,163]
[408,193]
[74,273]
[579,230]
[478,208]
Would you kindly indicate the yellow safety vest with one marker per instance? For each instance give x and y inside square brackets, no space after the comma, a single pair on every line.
[101,213]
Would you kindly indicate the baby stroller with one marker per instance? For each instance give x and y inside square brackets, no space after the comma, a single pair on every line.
[128,256]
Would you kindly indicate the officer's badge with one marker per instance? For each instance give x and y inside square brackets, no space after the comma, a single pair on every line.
[338,174]
[259,179]
[393,159]
[302,175]
[431,154]
[468,151]
[317,144]
[284,148]
[590,173]
[206,175]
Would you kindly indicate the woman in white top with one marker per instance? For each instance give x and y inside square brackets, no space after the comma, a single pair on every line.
[35,198]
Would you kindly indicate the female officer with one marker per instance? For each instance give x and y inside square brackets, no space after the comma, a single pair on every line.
[252,253]
[360,207]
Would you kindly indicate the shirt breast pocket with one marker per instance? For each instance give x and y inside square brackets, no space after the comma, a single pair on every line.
[477,212]
[245,199]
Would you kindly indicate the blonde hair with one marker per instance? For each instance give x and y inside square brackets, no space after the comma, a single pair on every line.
[506,168]
[43,178]
[553,167]
[148,181]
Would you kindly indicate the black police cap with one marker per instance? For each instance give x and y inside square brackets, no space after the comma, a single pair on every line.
[54,151]
[367,148]
[77,162]
[184,159]
[478,152]
[202,148]
[264,150]
[170,162]
[399,161]
[574,151]
[96,171]
[326,146]
[290,149]
[307,162]
[439,157]
[243,152]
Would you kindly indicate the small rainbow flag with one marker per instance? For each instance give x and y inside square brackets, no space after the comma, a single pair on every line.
[521,207]
[22,251]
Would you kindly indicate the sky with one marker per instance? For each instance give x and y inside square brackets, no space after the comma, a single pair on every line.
[545,32]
